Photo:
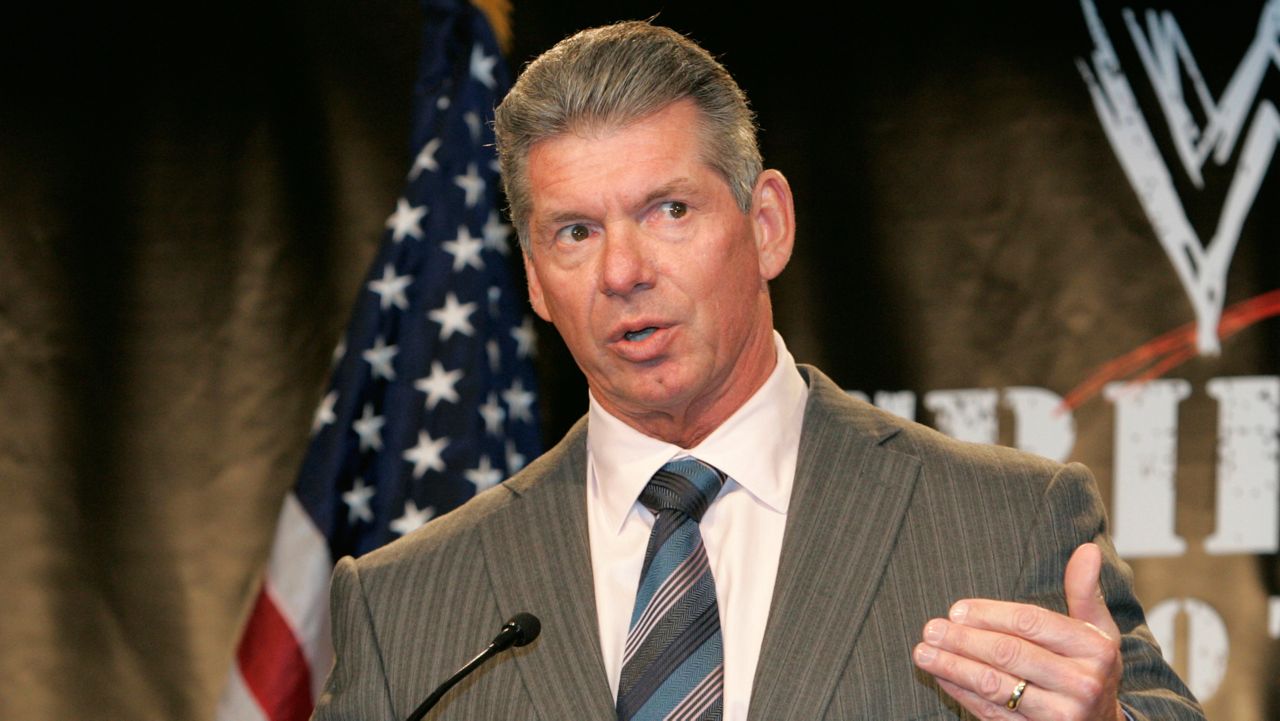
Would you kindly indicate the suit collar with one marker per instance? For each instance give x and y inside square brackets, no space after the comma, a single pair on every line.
[848,501]
[849,498]
[537,553]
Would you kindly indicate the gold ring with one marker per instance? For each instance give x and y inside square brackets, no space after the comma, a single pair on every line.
[1015,698]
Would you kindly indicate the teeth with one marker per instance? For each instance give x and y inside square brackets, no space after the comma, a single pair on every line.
[634,335]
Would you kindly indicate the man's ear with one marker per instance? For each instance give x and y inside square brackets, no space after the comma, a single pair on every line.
[773,216]
[535,289]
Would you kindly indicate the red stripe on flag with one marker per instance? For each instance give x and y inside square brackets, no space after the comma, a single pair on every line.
[272,663]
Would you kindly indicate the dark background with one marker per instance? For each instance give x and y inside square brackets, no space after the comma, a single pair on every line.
[189,199]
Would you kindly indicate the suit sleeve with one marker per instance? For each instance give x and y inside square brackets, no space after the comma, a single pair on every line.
[1072,514]
[357,688]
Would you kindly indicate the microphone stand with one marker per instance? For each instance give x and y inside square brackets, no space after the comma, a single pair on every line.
[522,629]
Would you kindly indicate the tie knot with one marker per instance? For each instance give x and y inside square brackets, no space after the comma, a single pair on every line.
[687,485]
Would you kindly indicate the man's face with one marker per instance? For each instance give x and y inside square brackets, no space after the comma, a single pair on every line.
[653,275]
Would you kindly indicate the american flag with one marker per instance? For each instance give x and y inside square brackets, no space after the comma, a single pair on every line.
[431,397]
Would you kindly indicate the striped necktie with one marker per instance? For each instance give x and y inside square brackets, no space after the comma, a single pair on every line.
[673,664]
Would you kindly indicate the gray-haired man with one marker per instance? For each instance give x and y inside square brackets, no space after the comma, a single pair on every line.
[726,534]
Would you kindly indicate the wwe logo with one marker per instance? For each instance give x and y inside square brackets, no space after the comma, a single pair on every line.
[1167,59]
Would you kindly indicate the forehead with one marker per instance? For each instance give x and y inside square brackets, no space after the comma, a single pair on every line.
[653,151]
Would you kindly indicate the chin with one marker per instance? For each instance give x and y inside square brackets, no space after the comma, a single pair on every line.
[649,393]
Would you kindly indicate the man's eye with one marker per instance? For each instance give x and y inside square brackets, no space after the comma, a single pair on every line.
[675,209]
[577,232]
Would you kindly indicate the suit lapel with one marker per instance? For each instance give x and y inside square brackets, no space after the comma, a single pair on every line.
[537,551]
[848,501]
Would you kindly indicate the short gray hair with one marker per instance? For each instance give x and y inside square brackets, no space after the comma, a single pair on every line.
[604,78]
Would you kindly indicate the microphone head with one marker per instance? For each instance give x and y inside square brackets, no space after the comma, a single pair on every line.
[527,627]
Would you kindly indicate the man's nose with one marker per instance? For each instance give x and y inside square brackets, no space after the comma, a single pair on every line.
[625,264]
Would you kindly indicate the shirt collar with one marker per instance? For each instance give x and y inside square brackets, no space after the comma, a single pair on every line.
[752,446]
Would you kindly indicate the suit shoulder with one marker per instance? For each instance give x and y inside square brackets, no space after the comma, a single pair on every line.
[458,527]
[936,448]
[937,452]
[440,534]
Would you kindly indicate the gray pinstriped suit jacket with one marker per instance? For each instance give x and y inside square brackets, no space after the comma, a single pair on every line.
[890,522]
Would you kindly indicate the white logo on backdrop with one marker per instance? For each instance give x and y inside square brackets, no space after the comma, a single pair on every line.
[1168,60]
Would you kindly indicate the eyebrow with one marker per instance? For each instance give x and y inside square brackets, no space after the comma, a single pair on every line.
[677,186]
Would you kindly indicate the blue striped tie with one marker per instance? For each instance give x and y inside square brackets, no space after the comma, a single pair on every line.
[673,665]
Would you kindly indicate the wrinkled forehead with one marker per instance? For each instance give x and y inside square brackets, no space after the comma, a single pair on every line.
[599,131]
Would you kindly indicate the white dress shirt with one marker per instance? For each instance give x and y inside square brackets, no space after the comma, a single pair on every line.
[757,448]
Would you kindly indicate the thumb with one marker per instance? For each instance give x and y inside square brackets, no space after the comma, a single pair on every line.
[1083,591]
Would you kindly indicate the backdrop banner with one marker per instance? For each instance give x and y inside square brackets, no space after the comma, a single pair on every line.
[1049,225]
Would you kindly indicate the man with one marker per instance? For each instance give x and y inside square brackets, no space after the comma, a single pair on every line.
[727,534]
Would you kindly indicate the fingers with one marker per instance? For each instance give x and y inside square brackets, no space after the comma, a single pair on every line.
[1084,592]
[988,662]
[1063,635]
[978,687]
[988,692]
[978,705]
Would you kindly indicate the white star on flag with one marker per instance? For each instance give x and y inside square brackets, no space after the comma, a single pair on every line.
[339,351]
[472,184]
[357,500]
[493,415]
[453,317]
[413,518]
[426,454]
[495,295]
[379,358]
[519,401]
[496,233]
[390,288]
[525,337]
[369,428]
[465,250]
[473,124]
[405,221]
[439,386]
[495,355]
[484,475]
[426,159]
[482,66]
[324,412]
[515,459]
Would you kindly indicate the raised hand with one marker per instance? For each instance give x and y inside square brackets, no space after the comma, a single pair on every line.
[1005,660]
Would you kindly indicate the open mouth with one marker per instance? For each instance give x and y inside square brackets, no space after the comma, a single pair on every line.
[639,335]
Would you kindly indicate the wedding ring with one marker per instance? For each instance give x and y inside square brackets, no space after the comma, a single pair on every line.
[1015,698]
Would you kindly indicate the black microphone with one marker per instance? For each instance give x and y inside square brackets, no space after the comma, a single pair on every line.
[520,630]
